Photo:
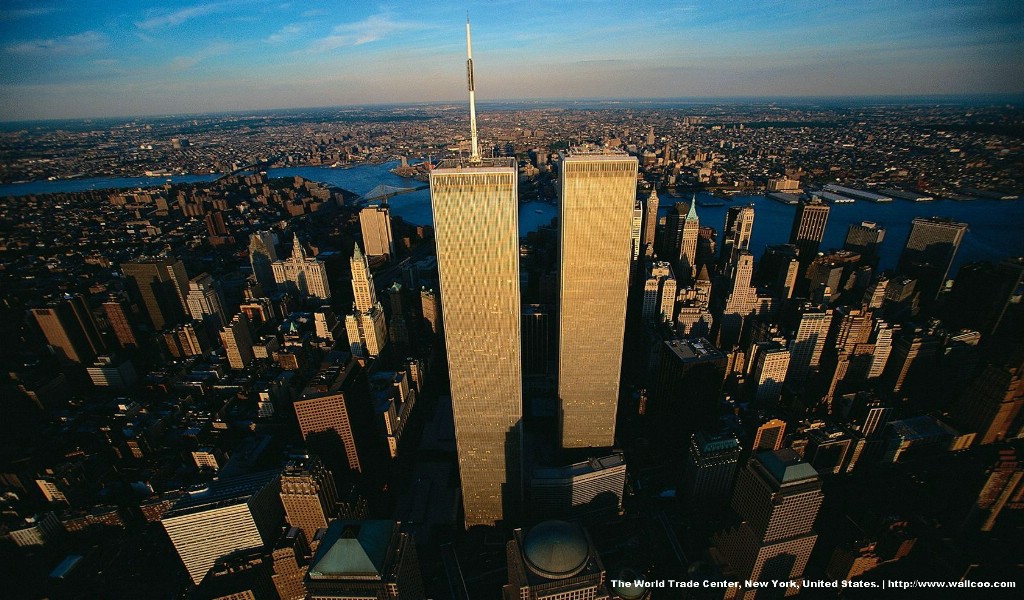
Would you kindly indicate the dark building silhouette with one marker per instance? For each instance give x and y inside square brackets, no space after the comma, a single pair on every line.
[161,286]
[70,329]
[711,469]
[929,252]
[809,228]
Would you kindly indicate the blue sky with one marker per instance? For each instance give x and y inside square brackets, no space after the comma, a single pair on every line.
[95,58]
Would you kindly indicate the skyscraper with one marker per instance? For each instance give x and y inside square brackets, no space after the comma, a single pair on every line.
[237,339]
[365,559]
[305,276]
[739,224]
[366,328]
[650,223]
[262,255]
[375,223]
[205,300]
[809,228]
[227,516]
[778,496]
[711,468]
[308,494]
[475,209]
[929,252]
[70,329]
[159,284]
[688,243]
[770,436]
[865,239]
[117,312]
[597,189]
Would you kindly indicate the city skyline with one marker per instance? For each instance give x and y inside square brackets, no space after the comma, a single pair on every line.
[117,60]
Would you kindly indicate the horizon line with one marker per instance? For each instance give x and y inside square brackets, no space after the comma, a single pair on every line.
[905,99]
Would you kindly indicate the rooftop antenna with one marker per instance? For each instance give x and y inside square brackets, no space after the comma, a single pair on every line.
[475,156]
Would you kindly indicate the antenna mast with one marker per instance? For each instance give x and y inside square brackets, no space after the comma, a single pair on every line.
[475,156]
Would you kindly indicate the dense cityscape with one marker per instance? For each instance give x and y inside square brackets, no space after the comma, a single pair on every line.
[714,373]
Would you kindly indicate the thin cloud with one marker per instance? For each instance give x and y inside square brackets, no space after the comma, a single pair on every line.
[79,44]
[284,34]
[182,63]
[362,32]
[13,14]
[180,16]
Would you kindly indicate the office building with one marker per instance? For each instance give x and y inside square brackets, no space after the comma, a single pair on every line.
[1003,489]
[929,252]
[865,239]
[476,206]
[807,345]
[301,275]
[375,224]
[770,367]
[308,494]
[366,328]
[635,231]
[770,436]
[430,308]
[986,297]
[360,560]
[326,426]
[660,293]
[739,225]
[710,469]
[113,372]
[688,243]
[809,228]
[592,488]
[237,339]
[778,496]
[990,405]
[289,564]
[538,340]
[688,385]
[650,223]
[262,256]
[554,560]
[597,191]
[117,311]
[205,301]
[160,285]
[224,517]
[778,269]
[70,329]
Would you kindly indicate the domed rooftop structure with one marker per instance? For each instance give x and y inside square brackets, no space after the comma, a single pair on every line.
[556,549]
[625,577]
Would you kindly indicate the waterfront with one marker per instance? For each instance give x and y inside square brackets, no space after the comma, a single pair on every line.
[996,227]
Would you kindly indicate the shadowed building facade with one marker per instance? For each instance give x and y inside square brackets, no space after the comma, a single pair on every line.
[597,189]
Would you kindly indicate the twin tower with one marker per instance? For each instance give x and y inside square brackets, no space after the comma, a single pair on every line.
[476,225]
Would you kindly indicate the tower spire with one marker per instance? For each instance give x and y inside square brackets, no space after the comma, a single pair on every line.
[475,156]
[692,214]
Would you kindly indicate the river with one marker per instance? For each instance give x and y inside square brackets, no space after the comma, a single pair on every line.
[996,227]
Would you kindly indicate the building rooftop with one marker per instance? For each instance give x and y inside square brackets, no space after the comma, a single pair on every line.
[786,466]
[694,349]
[556,549]
[221,492]
[458,164]
[353,549]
